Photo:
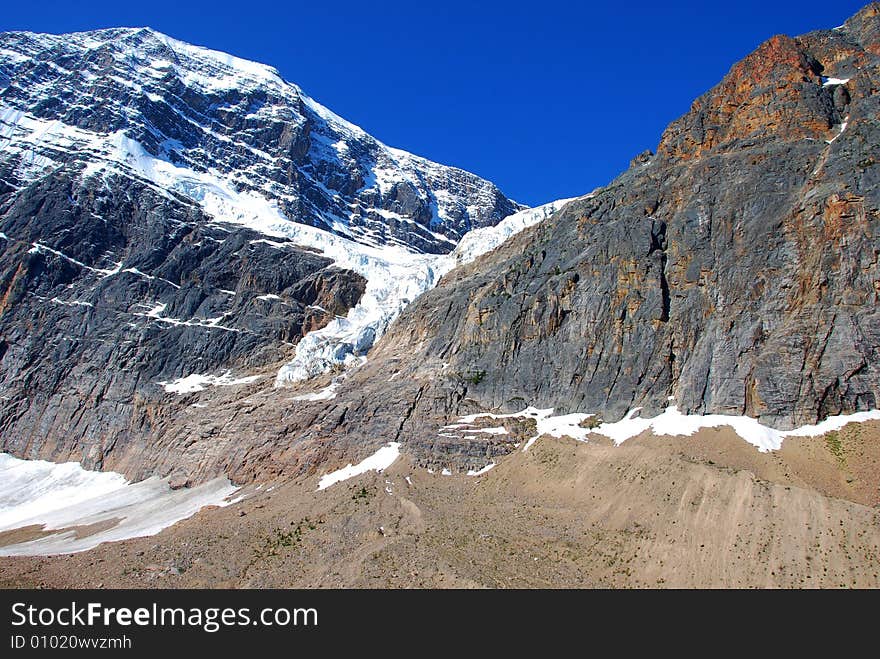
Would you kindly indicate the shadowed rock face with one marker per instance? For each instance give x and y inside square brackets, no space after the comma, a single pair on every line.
[86,341]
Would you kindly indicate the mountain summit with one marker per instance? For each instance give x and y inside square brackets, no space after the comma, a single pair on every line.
[173,218]
[207,125]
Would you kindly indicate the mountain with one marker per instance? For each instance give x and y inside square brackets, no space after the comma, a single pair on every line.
[671,381]
[174,218]
[733,272]
[214,127]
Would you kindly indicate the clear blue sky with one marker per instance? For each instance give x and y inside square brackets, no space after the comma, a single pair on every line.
[547,99]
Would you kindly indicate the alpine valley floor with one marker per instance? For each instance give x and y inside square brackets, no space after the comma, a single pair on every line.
[708,510]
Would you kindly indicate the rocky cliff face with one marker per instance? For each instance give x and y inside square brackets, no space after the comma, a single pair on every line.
[735,271]
[109,293]
[171,221]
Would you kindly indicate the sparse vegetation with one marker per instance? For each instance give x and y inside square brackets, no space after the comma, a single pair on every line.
[475,377]
[274,542]
[835,446]
[362,494]
[279,539]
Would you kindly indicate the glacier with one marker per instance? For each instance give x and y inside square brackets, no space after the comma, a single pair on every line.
[398,220]
[396,274]
[64,499]
[395,277]
[380,230]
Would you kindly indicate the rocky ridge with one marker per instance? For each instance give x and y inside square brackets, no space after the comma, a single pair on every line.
[122,97]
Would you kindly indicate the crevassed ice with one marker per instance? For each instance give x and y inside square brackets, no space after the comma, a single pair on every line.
[395,275]
[477,242]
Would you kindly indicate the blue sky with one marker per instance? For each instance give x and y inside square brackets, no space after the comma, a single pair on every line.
[547,99]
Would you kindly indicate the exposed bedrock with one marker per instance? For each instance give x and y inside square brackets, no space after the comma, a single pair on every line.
[108,288]
[735,271]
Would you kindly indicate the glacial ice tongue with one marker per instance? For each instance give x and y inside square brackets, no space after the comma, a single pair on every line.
[394,279]
[60,497]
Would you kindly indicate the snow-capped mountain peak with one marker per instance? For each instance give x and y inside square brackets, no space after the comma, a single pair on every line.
[248,149]
[74,97]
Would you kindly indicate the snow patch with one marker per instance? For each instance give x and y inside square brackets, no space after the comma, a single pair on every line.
[198,382]
[673,423]
[60,496]
[327,393]
[500,430]
[37,248]
[842,128]
[567,425]
[211,323]
[480,472]
[379,461]
[71,303]
[670,423]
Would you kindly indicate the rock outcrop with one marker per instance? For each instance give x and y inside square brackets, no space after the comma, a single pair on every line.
[735,271]
[108,292]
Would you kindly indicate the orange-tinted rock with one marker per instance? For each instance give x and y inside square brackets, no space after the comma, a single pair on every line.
[776,92]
